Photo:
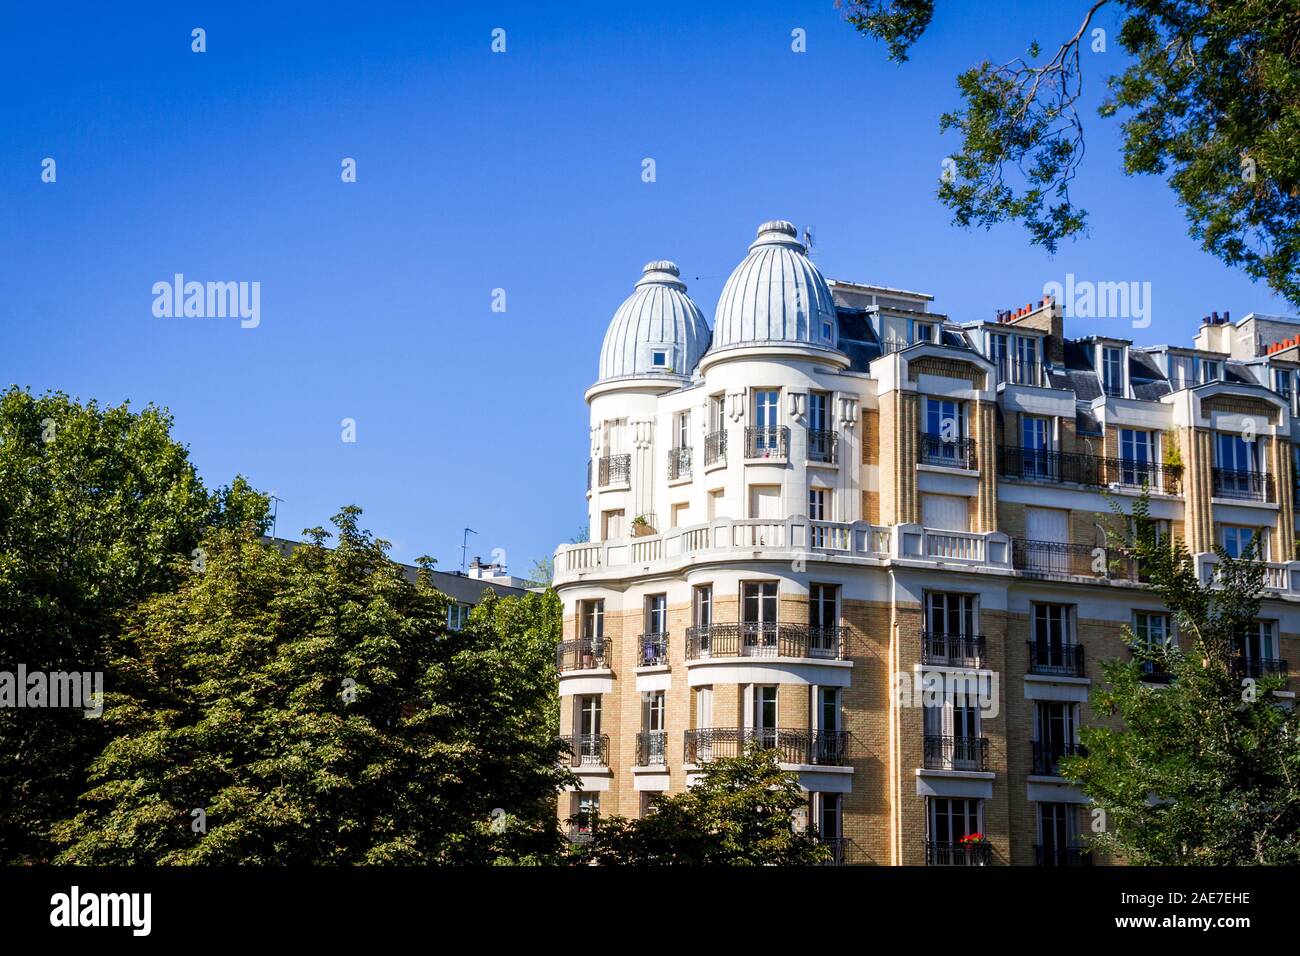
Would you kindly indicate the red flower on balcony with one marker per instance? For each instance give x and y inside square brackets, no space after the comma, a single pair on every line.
[973,839]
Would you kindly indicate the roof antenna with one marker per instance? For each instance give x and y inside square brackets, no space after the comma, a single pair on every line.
[275,508]
[464,545]
[809,234]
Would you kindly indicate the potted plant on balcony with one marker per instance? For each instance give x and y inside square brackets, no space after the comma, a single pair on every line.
[974,843]
[1173,456]
[641,527]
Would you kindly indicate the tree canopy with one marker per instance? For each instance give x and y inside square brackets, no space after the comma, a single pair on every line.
[315,709]
[1209,98]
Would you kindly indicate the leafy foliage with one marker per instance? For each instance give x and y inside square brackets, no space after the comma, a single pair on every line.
[318,711]
[96,507]
[1206,770]
[739,813]
[1211,99]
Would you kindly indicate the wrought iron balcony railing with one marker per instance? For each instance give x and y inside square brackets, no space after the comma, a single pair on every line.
[1017,372]
[952,650]
[1080,560]
[823,446]
[764,640]
[824,747]
[1065,854]
[949,452]
[715,448]
[679,463]
[957,854]
[1243,485]
[767,442]
[584,654]
[1041,464]
[614,470]
[842,850]
[588,750]
[955,753]
[652,748]
[652,649]
[1258,667]
[1047,756]
[1056,659]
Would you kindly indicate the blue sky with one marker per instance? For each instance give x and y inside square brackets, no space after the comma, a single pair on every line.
[478,171]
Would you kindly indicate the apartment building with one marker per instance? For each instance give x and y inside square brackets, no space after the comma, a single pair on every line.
[845,527]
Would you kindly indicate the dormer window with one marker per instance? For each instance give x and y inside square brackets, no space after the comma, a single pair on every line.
[826,331]
[1209,370]
[1182,371]
[659,358]
[921,332]
[1112,370]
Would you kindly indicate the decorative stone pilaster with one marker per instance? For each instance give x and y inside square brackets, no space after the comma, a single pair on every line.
[986,498]
[1284,476]
[1198,488]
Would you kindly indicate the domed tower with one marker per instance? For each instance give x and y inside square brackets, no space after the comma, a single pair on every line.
[775,296]
[653,344]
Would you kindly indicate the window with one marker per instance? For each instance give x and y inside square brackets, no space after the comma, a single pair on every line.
[1233,452]
[1053,650]
[1284,382]
[758,617]
[1209,370]
[593,620]
[702,606]
[1259,643]
[659,359]
[1152,629]
[827,331]
[818,411]
[650,801]
[921,331]
[585,806]
[829,822]
[817,504]
[1182,371]
[1055,725]
[717,416]
[590,746]
[1137,452]
[1112,370]
[823,620]
[611,524]
[952,731]
[762,702]
[998,354]
[950,819]
[1058,833]
[1036,459]
[457,616]
[1236,540]
[943,419]
[1047,524]
[828,709]
[945,512]
[656,614]
[766,402]
[950,614]
[1026,370]
[682,429]
[653,726]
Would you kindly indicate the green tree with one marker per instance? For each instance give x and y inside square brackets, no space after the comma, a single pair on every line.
[316,710]
[96,506]
[1210,98]
[740,812]
[1205,770]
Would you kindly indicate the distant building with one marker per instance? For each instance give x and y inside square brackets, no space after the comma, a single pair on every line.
[463,590]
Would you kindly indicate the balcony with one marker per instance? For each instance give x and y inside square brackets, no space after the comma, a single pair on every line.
[1242,485]
[823,446]
[584,654]
[767,443]
[715,448]
[764,640]
[1060,559]
[955,753]
[1043,465]
[952,650]
[1047,756]
[613,470]
[578,832]
[1259,667]
[652,650]
[957,854]
[1066,854]
[679,463]
[946,452]
[843,850]
[1154,672]
[1056,660]
[1013,371]
[652,748]
[587,750]
[803,747]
